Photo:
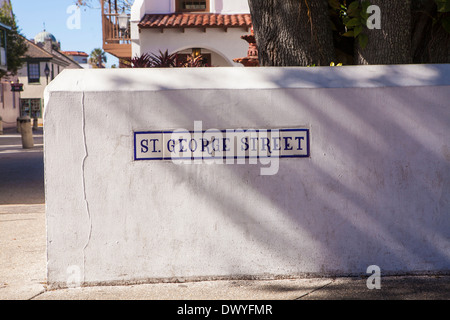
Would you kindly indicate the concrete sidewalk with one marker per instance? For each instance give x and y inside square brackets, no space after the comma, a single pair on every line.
[23,256]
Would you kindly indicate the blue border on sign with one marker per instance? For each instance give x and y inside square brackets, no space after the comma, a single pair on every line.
[136,133]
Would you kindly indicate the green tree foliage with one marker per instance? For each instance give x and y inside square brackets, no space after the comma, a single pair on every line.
[97,57]
[16,47]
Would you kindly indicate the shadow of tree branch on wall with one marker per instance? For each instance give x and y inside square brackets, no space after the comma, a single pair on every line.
[375,191]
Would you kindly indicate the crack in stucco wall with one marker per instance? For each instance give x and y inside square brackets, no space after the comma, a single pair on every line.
[83,164]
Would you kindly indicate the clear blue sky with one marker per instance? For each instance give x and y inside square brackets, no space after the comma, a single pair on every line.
[32,14]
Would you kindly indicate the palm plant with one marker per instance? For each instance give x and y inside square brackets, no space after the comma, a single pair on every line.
[97,57]
[163,59]
[142,61]
[193,61]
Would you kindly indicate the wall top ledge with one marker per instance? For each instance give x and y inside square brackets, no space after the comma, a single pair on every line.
[157,79]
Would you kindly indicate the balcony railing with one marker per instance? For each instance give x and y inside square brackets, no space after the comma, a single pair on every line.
[115,41]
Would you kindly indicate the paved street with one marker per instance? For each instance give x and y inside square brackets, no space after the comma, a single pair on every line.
[22,217]
[23,255]
[21,170]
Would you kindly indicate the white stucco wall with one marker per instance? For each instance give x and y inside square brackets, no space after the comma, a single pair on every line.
[375,190]
[230,6]
[216,6]
[32,90]
[36,89]
[165,6]
[227,44]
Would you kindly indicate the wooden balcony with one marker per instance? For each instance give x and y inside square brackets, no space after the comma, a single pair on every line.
[115,41]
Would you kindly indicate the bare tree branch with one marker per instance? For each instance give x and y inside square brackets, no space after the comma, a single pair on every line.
[121,4]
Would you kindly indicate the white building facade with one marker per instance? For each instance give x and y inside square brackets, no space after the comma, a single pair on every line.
[212,28]
[42,63]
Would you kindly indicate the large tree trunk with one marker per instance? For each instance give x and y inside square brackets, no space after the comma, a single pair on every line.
[437,49]
[430,41]
[292,32]
[392,43]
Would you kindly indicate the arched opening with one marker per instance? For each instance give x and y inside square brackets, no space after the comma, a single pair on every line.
[213,57]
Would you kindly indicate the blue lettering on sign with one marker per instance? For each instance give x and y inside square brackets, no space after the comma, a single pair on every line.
[191,145]
[276,144]
[171,145]
[299,139]
[244,146]
[144,145]
[154,145]
[165,145]
[287,146]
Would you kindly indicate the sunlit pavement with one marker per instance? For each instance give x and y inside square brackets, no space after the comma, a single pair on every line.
[23,255]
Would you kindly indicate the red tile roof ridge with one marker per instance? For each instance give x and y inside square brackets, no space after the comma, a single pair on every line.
[75,53]
[173,20]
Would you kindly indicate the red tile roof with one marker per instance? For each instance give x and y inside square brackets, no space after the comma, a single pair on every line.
[193,20]
[75,53]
